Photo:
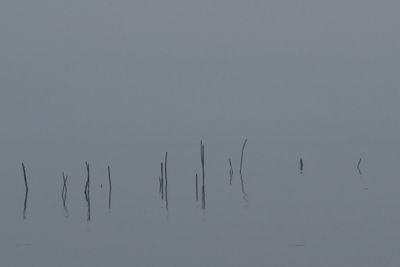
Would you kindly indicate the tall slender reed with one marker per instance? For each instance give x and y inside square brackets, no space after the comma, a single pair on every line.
[197,188]
[26,190]
[203,191]
[301,165]
[109,187]
[162,181]
[87,190]
[358,166]
[166,180]
[241,157]
[25,180]
[230,171]
[240,172]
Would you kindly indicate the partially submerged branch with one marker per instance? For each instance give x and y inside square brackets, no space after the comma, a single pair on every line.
[358,166]
[109,187]
[241,157]
[203,191]
[26,190]
[230,171]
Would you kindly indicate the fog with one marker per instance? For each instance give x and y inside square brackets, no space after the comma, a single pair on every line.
[121,82]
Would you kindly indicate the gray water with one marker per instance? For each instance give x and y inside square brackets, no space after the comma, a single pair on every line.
[328,216]
[120,83]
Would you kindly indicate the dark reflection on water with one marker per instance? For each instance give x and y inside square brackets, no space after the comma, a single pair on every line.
[64,193]
[243,189]
[25,201]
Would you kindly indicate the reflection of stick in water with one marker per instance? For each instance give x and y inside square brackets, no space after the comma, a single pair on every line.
[358,166]
[25,201]
[26,190]
[240,172]
[64,193]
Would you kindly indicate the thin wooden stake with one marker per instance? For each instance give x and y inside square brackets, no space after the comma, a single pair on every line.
[26,182]
[240,172]
[87,190]
[301,165]
[203,191]
[26,190]
[230,172]
[241,157]
[162,181]
[166,180]
[110,187]
[197,190]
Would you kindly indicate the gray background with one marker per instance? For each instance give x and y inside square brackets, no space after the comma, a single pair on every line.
[121,82]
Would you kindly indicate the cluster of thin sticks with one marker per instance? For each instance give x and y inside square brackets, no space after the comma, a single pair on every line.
[163,181]
[163,187]
[65,190]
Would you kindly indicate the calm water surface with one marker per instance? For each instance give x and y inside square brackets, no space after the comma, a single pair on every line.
[328,216]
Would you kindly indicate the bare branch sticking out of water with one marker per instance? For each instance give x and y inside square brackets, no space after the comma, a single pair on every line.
[64,193]
[240,172]
[166,180]
[87,191]
[26,190]
[25,180]
[197,188]
[365,186]
[301,165]
[358,166]
[109,187]
[241,157]
[162,181]
[230,171]
[203,191]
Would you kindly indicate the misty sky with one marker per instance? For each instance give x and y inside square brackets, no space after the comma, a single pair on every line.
[113,70]
[120,82]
